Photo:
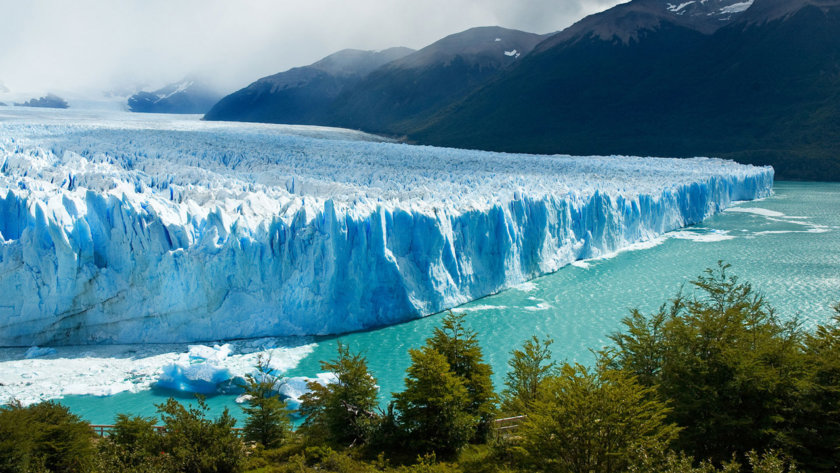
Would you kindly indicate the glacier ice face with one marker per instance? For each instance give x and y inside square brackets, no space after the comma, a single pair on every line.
[122,229]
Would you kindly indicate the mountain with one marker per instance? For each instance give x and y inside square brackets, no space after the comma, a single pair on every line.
[625,22]
[187,96]
[3,88]
[302,95]
[397,96]
[47,101]
[387,92]
[644,78]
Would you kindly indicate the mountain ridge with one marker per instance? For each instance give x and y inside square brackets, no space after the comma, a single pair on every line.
[399,95]
[762,90]
[391,95]
[189,95]
[301,95]
[757,81]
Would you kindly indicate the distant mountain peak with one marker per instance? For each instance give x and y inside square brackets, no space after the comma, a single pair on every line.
[301,94]
[47,101]
[483,44]
[357,61]
[627,21]
[189,95]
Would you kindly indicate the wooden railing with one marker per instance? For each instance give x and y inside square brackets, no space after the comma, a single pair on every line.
[507,426]
[502,427]
[105,430]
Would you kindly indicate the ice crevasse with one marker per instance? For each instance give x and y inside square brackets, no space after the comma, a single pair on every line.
[117,230]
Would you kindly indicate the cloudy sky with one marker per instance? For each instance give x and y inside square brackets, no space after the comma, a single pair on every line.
[86,46]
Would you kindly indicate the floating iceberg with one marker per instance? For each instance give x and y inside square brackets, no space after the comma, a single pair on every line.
[202,378]
[203,374]
[208,371]
[118,229]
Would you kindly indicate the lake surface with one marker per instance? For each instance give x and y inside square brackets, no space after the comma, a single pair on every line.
[787,246]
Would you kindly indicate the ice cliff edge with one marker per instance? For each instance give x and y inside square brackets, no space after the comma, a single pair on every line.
[115,232]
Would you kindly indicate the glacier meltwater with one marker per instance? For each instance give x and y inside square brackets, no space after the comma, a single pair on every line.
[116,228]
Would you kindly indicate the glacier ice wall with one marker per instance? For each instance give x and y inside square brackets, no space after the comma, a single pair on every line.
[129,230]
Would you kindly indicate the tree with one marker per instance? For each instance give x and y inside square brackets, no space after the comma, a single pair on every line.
[583,421]
[459,346]
[342,411]
[44,437]
[641,349]
[196,444]
[725,363]
[133,446]
[136,432]
[268,418]
[529,367]
[671,462]
[815,429]
[434,408]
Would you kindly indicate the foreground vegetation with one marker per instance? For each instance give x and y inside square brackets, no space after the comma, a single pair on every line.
[712,381]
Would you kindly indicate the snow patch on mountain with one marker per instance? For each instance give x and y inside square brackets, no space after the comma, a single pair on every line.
[677,8]
[736,7]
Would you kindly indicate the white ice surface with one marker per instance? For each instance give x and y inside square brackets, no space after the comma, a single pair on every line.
[118,228]
[702,237]
[756,211]
[111,369]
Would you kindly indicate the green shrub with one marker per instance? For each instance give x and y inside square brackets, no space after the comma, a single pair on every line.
[459,346]
[434,407]
[586,421]
[342,412]
[44,437]
[814,435]
[728,367]
[195,444]
[133,446]
[529,367]
[268,420]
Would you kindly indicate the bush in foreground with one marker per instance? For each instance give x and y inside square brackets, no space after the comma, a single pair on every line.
[268,420]
[602,420]
[458,344]
[434,408]
[730,370]
[342,412]
[44,437]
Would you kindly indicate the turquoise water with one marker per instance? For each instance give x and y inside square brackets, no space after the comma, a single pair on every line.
[790,250]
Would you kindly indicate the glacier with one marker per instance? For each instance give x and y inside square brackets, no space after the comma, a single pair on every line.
[123,229]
